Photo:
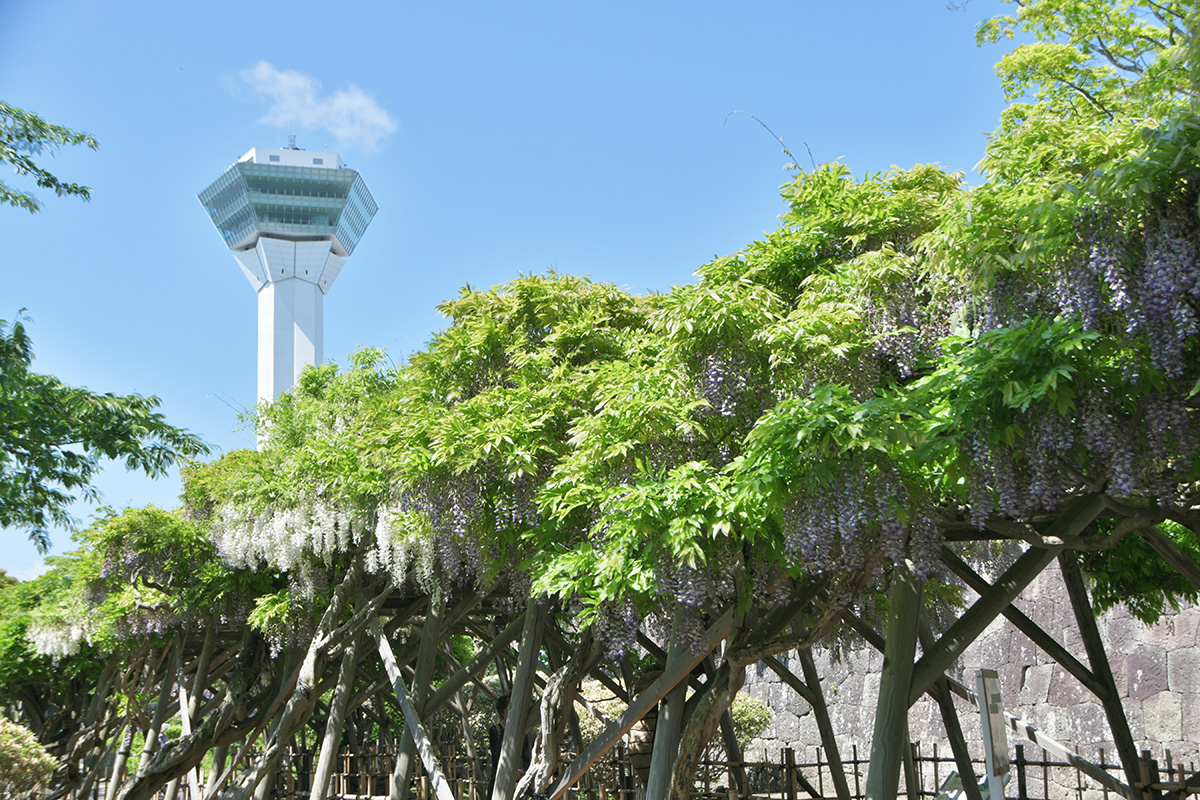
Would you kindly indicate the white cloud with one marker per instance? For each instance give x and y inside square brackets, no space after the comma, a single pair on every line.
[351,115]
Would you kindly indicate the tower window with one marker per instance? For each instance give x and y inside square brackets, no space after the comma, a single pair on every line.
[273,158]
[318,161]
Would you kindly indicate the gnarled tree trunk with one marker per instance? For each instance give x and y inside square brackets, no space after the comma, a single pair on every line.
[557,704]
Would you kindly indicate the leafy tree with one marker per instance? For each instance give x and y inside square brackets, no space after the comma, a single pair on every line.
[24,135]
[54,437]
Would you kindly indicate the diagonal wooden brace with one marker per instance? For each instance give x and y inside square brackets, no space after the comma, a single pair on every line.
[641,705]
[424,746]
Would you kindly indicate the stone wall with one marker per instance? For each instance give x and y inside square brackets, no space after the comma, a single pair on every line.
[1157,670]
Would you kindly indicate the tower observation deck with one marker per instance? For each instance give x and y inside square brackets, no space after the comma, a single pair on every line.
[291,217]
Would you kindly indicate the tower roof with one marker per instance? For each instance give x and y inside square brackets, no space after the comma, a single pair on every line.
[298,195]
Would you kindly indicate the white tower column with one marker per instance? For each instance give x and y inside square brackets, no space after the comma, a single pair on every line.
[291,279]
[290,326]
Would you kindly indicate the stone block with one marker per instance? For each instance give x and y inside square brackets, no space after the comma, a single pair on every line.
[1065,691]
[1085,724]
[1022,650]
[787,728]
[1052,721]
[1187,627]
[1163,717]
[781,697]
[1010,682]
[1069,637]
[1174,630]
[1035,685]
[1190,720]
[756,689]
[993,645]
[848,691]
[870,690]
[1183,670]
[1135,716]
[1147,672]
[1121,634]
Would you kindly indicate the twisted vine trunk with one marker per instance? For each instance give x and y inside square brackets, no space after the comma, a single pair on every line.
[702,719]
[557,704]
[227,723]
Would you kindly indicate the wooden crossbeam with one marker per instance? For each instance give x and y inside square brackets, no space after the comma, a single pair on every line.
[1025,625]
[424,746]
[640,706]
[969,625]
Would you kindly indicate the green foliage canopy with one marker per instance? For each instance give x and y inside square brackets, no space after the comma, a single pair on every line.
[905,355]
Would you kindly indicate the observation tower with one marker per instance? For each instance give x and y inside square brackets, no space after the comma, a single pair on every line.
[291,217]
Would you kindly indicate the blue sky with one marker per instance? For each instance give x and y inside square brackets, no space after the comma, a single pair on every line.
[497,138]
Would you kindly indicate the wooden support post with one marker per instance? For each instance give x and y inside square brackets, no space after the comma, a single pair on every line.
[119,762]
[192,703]
[1022,785]
[519,702]
[837,770]
[895,683]
[412,722]
[912,785]
[789,773]
[733,755]
[460,707]
[958,743]
[1098,659]
[666,733]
